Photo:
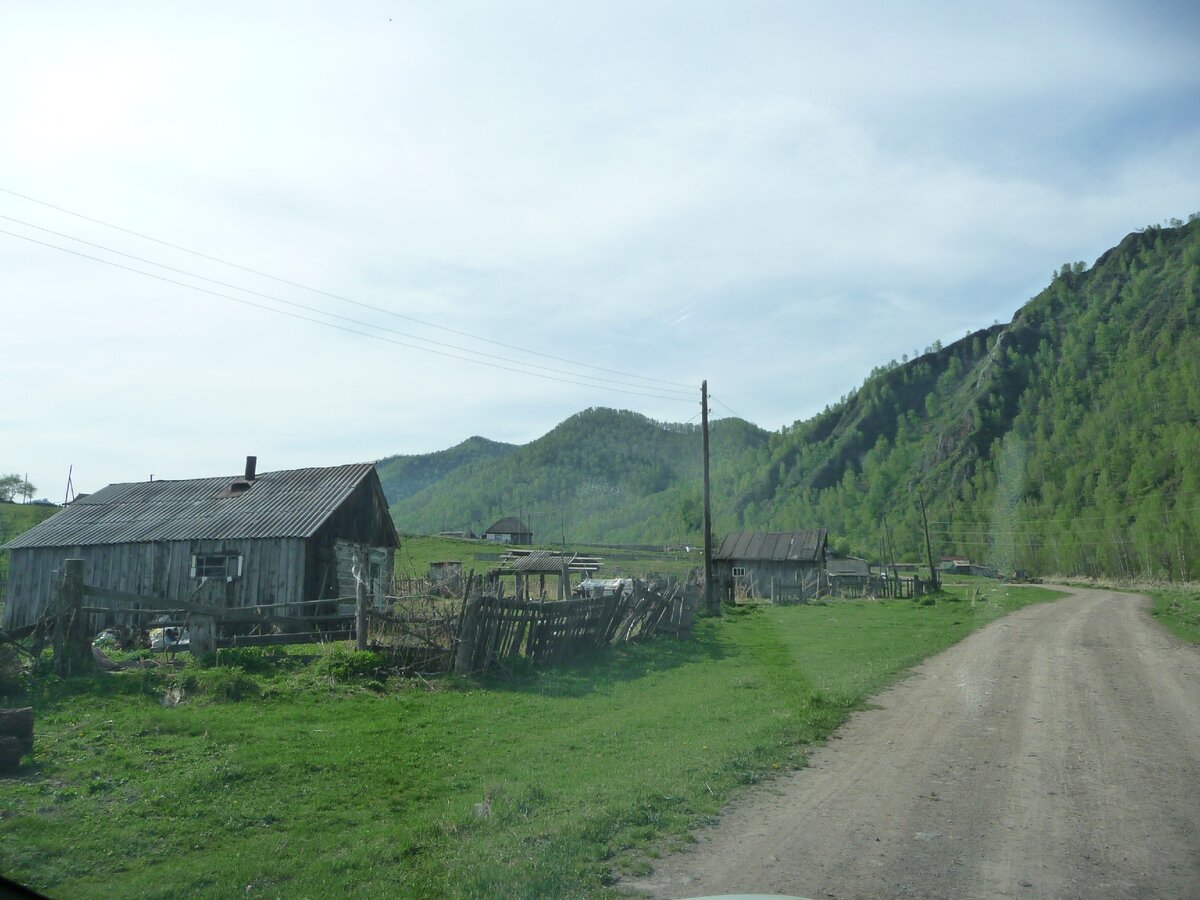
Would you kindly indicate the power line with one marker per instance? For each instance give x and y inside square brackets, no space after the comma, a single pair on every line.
[731,411]
[304,318]
[317,310]
[338,297]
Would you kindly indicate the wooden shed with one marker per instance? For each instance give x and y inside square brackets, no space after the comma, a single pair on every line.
[848,576]
[780,565]
[276,537]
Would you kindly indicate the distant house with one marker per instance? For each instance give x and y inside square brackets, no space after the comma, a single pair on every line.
[509,530]
[243,540]
[778,564]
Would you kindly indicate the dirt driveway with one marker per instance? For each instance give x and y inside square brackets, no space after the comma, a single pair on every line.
[1055,753]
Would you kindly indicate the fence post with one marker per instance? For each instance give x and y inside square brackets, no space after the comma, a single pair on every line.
[360,598]
[72,643]
[202,635]
[466,636]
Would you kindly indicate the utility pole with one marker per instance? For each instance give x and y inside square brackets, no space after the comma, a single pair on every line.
[933,575]
[712,604]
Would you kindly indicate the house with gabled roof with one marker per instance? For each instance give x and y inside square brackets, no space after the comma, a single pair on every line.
[249,539]
[509,530]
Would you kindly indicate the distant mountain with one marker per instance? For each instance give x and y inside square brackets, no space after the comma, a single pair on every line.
[602,475]
[403,476]
[1065,441]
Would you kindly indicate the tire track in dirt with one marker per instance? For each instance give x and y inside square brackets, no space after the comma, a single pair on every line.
[1054,753]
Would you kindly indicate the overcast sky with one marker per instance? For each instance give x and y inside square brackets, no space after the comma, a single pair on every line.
[773,196]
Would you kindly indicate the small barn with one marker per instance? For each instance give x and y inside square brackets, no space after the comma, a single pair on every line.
[509,530]
[249,539]
[779,564]
[848,576]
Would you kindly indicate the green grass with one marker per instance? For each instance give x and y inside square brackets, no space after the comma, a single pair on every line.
[418,551]
[544,785]
[1178,611]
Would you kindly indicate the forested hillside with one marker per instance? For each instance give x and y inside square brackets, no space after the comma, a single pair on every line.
[403,476]
[603,475]
[1065,441]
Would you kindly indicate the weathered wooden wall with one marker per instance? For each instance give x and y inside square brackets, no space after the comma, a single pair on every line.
[762,574]
[272,572]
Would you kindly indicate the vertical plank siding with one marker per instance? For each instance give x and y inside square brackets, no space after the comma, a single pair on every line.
[271,573]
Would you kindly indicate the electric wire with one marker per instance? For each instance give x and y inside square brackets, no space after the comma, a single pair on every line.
[322,312]
[338,297]
[379,337]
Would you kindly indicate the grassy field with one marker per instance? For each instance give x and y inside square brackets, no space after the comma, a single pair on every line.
[418,551]
[1179,612]
[322,779]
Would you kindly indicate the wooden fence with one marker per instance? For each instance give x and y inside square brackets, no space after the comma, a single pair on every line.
[496,630]
[428,633]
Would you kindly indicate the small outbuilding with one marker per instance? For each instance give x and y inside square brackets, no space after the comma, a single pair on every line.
[848,576]
[250,539]
[780,565]
[509,530]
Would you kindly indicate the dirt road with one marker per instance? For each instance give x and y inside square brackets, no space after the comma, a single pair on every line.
[1055,753]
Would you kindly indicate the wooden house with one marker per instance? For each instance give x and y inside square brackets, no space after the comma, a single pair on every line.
[509,530]
[780,565]
[234,541]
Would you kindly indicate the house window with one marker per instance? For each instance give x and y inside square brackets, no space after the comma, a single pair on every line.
[217,565]
[739,571]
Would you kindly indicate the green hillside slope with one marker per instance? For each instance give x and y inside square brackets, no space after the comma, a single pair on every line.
[1065,441]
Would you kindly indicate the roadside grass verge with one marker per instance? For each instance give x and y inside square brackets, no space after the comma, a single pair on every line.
[315,778]
[1178,610]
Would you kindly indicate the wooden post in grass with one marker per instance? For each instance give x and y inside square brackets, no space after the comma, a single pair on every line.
[466,636]
[72,643]
[202,634]
[360,600]
[933,574]
[712,603]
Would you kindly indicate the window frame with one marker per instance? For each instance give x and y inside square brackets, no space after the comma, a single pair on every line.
[205,566]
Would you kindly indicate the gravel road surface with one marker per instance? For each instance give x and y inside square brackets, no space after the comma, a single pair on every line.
[1054,753]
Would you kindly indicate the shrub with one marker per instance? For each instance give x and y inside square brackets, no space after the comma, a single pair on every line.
[342,664]
[251,659]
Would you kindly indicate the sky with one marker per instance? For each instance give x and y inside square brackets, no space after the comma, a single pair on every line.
[329,233]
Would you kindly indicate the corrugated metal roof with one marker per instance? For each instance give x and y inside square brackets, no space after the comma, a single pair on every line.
[794,546]
[546,562]
[292,503]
